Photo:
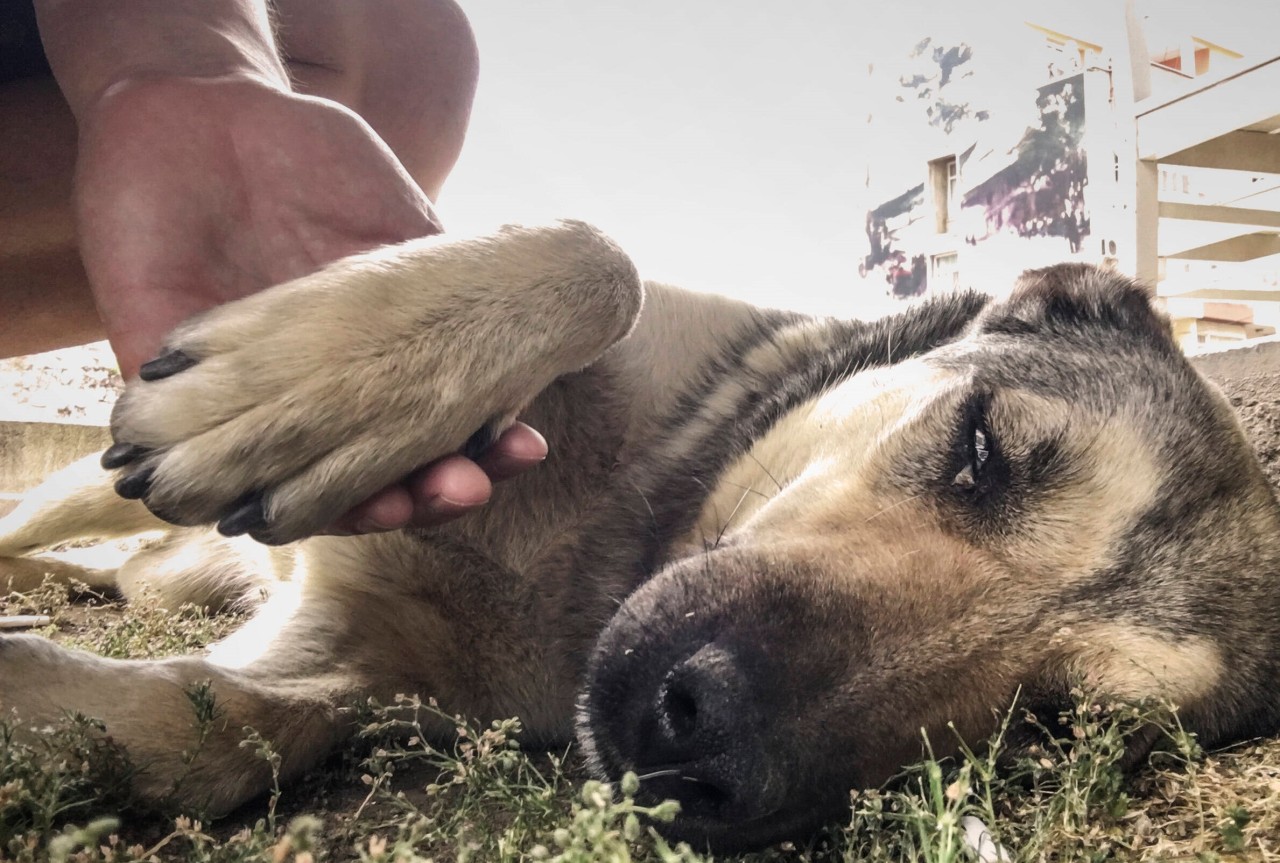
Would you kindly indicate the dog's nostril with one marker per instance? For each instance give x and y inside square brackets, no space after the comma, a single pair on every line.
[695,730]
[699,704]
[678,706]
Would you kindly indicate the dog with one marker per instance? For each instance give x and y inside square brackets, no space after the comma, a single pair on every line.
[766,552]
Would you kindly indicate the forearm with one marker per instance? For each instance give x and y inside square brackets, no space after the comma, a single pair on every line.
[93,44]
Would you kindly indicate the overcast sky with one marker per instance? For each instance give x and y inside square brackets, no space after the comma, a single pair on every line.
[713,141]
[719,140]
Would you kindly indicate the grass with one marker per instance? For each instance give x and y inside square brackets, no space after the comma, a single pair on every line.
[393,797]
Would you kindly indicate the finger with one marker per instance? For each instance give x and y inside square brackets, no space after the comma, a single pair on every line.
[447,489]
[389,509]
[518,449]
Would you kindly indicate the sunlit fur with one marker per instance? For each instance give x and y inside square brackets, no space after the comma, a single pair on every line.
[766,551]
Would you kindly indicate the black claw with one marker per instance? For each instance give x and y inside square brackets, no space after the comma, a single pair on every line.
[168,363]
[248,516]
[120,454]
[166,515]
[135,485]
[266,537]
[480,441]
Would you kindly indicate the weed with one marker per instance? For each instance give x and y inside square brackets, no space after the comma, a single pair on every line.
[264,750]
[102,625]
[52,775]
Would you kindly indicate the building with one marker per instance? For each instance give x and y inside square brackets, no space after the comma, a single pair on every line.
[1144,139]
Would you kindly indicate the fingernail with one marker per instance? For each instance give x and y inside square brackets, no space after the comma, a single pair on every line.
[120,454]
[442,504]
[168,363]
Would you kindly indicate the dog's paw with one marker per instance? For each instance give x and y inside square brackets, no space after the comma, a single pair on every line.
[275,414]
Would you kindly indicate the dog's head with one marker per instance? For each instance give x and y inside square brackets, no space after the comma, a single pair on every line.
[1055,497]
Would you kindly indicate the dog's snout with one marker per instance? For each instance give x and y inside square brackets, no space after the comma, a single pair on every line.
[687,690]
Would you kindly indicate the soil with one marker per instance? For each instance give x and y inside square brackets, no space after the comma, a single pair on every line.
[1256,399]
[75,385]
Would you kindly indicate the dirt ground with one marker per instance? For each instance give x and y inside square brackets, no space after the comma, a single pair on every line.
[77,385]
[1256,399]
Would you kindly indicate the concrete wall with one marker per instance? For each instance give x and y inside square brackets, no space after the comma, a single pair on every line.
[1258,357]
[31,451]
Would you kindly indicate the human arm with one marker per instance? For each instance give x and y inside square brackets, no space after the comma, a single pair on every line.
[203,176]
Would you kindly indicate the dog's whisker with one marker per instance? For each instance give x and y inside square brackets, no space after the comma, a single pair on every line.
[725,526]
[767,472]
[892,506]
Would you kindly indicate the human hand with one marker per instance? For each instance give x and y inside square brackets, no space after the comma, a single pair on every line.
[447,488]
[193,192]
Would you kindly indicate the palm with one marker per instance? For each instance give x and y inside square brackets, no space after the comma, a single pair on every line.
[192,193]
[195,193]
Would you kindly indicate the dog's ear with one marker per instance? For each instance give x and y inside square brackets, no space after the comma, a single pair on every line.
[1075,299]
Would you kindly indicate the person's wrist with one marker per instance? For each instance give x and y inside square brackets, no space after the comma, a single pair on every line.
[96,45]
[141,83]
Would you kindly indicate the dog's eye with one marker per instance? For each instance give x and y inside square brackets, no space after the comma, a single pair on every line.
[979,452]
[979,445]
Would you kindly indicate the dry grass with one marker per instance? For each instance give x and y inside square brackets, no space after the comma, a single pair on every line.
[1228,803]
[104,626]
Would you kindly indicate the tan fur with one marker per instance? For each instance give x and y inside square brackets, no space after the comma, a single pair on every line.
[238,418]
[322,390]
[1134,663]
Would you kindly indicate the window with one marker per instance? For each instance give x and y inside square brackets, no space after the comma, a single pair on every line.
[944,177]
[944,273]
[1192,57]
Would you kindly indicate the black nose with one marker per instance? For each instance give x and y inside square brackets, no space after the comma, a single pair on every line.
[703,746]
[700,704]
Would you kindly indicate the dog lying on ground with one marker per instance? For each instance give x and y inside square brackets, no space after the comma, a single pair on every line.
[765,553]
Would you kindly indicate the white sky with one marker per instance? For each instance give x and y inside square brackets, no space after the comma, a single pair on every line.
[714,140]
[720,142]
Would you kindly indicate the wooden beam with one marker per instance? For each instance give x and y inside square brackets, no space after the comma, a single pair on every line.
[1228,215]
[1146,236]
[1236,55]
[1226,295]
[1208,112]
[1177,236]
[1245,248]
[1241,151]
[1063,38]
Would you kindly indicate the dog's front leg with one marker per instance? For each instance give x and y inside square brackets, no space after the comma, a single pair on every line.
[275,414]
[181,721]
